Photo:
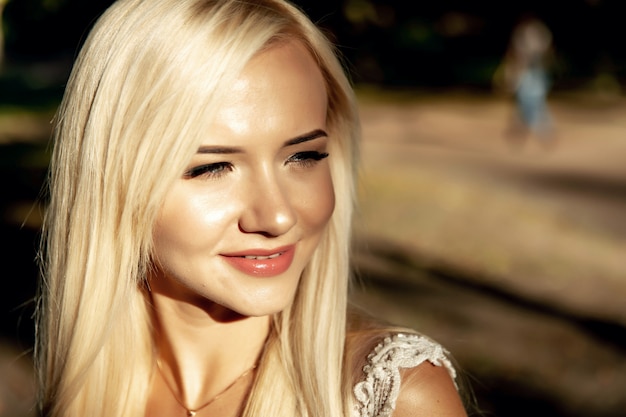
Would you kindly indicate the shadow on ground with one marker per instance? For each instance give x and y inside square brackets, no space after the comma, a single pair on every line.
[519,356]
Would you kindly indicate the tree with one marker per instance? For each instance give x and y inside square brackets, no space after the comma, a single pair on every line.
[2,4]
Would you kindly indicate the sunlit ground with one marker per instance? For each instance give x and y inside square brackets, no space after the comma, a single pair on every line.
[511,254]
[522,243]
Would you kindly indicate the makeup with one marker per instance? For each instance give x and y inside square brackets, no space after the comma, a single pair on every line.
[262,263]
[243,221]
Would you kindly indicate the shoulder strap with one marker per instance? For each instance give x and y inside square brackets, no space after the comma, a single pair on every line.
[376,394]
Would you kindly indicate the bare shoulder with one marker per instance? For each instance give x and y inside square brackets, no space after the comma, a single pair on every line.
[399,372]
[428,390]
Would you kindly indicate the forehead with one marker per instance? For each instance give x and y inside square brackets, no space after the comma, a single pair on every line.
[281,89]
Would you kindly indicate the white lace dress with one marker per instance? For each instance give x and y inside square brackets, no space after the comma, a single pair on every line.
[377,393]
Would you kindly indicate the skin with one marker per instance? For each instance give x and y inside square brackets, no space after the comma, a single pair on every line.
[428,390]
[259,183]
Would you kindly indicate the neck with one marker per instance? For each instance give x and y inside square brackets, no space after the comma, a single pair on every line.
[200,355]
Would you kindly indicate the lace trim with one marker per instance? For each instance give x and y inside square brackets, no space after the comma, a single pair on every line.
[376,395]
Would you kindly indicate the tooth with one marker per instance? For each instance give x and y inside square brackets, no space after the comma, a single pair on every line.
[272,256]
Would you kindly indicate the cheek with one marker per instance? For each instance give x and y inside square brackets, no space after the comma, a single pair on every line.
[190,219]
[319,203]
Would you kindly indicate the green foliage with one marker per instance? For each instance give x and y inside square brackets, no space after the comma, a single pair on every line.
[388,42]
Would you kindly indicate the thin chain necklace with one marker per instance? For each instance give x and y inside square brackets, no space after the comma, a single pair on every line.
[190,412]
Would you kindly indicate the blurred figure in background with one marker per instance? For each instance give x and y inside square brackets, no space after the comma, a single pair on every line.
[524,74]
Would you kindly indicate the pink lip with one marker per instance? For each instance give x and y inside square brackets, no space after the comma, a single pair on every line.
[266,266]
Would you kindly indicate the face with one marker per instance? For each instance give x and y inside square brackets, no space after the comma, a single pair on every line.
[241,223]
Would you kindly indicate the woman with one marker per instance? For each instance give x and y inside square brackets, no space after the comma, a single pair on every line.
[197,238]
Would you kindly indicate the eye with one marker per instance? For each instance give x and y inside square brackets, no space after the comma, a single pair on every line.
[214,170]
[307,158]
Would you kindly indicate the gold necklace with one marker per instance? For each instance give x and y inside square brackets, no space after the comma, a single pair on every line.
[190,412]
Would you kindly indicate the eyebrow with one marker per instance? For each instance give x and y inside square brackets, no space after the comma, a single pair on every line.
[317,133]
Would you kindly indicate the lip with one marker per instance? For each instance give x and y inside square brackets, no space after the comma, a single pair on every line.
[262,262]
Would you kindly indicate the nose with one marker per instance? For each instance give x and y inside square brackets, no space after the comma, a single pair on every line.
[269,209]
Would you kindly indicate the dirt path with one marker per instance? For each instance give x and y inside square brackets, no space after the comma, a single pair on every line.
[512,256]
[439,176]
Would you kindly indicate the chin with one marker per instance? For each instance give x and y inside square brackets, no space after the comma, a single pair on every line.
[268,296]
[263,309]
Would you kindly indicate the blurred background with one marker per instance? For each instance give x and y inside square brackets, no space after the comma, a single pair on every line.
[503,237]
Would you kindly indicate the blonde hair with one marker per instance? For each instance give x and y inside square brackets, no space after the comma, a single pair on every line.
[144,88]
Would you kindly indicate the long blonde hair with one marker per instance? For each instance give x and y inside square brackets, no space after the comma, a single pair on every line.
[145,85]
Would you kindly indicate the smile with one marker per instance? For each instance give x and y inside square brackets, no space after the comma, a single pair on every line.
[262,263]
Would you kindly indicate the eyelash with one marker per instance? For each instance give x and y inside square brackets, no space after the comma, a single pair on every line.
[218,169]
[307,158]
[215,170]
